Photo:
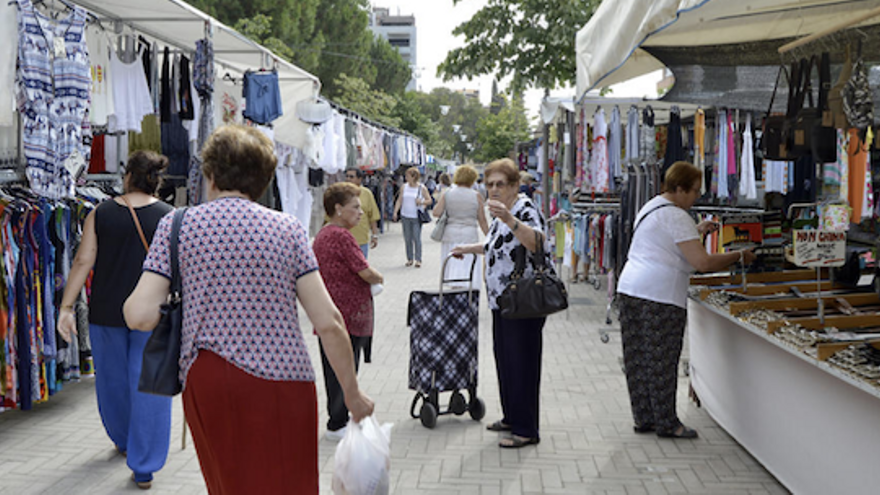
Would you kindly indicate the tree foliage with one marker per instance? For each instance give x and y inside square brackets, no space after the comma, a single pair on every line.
[497,134]
[531,40]
[392,71]
[356,95]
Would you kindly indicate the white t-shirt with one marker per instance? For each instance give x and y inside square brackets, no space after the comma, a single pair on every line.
[131,95]
[102,88]
[656,269]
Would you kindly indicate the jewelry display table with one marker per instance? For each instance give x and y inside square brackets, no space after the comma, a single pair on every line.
[812,425]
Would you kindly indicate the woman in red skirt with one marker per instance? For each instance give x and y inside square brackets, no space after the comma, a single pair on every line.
[249,391]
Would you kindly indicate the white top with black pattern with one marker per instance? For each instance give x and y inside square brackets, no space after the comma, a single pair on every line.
[501,247]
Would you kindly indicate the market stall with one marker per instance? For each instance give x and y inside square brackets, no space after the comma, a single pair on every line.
[785,363]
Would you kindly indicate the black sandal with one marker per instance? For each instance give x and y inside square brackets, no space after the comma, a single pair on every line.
[681,432]
[517,442]
[498,426]
[643,428]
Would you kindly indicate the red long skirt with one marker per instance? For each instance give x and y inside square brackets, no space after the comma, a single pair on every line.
[251,435]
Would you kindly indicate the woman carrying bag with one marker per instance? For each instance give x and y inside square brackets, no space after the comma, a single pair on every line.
[410,207]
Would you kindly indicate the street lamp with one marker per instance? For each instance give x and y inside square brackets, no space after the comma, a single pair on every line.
[456,128]
[444,109]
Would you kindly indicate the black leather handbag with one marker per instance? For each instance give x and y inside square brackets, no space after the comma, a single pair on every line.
[823,141]
[160,369]
[806,118]
[772,140]
[538,295]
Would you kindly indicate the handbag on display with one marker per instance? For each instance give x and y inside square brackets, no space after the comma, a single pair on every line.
[772,141]
[160,370]
[858,102]
[823,142]
[534,296]
[806,118]
[440,227]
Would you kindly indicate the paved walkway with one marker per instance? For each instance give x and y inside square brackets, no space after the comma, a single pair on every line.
[587,447]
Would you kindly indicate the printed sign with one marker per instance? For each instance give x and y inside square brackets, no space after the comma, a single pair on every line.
[818,248]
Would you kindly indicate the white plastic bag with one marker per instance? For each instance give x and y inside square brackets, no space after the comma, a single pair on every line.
[363,459]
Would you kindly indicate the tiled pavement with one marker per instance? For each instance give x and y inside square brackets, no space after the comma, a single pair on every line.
[587,441]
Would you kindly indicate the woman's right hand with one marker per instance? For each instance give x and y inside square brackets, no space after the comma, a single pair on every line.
[457,252]
[359,405]
[67,324]
[748,256]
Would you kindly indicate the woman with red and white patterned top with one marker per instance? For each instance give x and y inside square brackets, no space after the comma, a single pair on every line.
[249,392]
[348,276]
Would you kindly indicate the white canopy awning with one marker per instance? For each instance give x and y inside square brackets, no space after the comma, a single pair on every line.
[609,46]
[175,23]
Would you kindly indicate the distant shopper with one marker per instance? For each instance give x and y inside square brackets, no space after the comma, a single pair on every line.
[465,210]
[348,277]
[366,232]
[652,291]
[527,184]
[249,386]
[412,197]
[139,424]
[517,342]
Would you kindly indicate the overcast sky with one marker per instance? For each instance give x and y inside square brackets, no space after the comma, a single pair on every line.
[435,21]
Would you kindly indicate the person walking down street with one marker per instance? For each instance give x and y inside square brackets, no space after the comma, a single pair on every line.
[366,232]
[413,197]
[465,211]
[666,248]
[443,185]
[139,424]
[348,278]
[249,386]
[517,342]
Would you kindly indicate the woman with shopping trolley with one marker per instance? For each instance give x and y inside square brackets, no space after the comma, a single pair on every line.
[517,224]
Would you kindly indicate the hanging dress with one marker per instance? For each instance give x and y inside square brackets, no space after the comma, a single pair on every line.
[52,91]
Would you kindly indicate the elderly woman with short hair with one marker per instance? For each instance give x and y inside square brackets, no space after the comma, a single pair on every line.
[518,342]
[249,392]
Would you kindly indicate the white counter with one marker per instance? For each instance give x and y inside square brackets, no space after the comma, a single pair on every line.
[814,427]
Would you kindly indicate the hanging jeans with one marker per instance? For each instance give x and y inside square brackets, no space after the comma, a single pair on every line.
[412,238]
[138,423]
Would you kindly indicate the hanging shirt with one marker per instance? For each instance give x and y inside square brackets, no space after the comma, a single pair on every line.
[700,145]
[228,101]
[52,92]
[721,157]
[101,89]
[747,187]
[599,159]
[131,95]
[8,49]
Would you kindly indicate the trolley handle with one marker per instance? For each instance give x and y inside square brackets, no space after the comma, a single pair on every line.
[469,280]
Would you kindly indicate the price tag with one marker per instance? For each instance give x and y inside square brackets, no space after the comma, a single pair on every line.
[818,248]
[60,50]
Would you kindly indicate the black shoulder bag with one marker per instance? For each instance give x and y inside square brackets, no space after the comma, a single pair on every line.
[161,365]
[772,140]
[538,295]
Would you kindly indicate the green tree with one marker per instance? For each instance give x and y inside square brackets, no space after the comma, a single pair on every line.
[392,71]
[497,134]
[259,29]
[292,22]
[356,95]
[412,119]
[531,40]
[343,43]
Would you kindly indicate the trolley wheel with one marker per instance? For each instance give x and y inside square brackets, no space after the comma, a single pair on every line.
[604,338]
[477,408]
[457,403]
[415,402]
[428,415]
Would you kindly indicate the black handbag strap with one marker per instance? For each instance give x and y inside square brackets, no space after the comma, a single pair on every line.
[540,261]
[176,289]
[776,87]
[646,215]
[824,81]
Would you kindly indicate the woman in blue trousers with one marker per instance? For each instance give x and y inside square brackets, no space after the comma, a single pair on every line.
[114,243]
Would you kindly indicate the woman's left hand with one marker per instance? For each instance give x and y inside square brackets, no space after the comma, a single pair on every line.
[499,210]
